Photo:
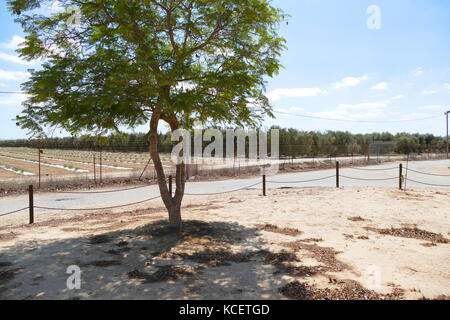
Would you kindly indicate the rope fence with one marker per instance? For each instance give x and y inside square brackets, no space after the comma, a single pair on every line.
[104,208]
[401,178]
[429,174]
[429,184]
[101,192]
[223,192]
[12,212]
[373,169]
[302,181]
[369,179]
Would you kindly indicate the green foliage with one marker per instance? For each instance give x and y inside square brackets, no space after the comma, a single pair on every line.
[190,59]
[292,143]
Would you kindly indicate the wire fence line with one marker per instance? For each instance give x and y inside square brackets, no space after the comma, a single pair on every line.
[374,169]
[369,179]
[429,184]
[224,192]
[12,212]
[302,181]
[104,208]
[100,192]
[124,205]
[429,174]
[401,178]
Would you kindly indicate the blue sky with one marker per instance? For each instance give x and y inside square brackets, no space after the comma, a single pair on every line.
[335,67]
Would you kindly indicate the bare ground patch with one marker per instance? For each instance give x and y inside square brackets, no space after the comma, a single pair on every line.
[102,263]
[343,290]
[164,273]
[215,258]
[8,236]
[5,264]
[324,255]
[311,240]
[8,275]
[275,229]
[357,219]
[411,233]
[100,239]
[277,259]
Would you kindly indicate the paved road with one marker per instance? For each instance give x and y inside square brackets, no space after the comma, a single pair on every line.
[387,171]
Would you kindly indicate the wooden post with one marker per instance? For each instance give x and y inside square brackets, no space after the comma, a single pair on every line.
[39,146]
[400,177]
[95,173]
[337,174]
[170,185]
[264,184]
[39,160]
[31,203]
[101,169]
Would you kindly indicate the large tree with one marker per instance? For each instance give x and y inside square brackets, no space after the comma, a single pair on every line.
[133,62]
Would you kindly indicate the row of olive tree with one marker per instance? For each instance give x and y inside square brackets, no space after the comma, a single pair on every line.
[292,143]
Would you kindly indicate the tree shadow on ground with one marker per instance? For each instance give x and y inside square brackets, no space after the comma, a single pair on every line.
[207,260]
[214,260]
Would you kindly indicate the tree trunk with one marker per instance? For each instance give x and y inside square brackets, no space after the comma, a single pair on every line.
[175,217]
[172,203]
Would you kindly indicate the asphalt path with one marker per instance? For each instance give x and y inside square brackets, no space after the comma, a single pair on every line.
[385,175]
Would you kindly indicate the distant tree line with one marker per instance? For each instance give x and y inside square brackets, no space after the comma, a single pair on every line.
[293,143]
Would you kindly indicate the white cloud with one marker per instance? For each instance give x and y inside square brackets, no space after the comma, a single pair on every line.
[277,94]
[296,109]
[400,96]
[435,107]
[417,72]
[350,82]
[428,92]
[381,86]
[13,75]
[360,111]
[56,7]
[447,86]
[414,116]
[364,106]
[14,59]
[14,99]
[14,43]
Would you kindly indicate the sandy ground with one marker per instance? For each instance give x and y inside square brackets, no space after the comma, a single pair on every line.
[76,163]
[32,167]
[7,174]
[311,243]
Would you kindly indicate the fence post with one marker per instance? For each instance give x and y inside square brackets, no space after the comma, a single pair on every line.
[337,174]
[400,177]
[31,203]
[39,161]
[264,184]
[101,163]
[95,173]
[170,185]
[39,170]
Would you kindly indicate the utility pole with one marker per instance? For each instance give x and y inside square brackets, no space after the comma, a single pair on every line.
[446,114]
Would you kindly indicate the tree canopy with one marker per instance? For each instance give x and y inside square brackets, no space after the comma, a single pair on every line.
[195,59]
[127,63]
